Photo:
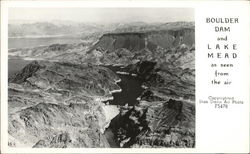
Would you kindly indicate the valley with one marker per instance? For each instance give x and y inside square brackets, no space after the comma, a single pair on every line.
[131,87]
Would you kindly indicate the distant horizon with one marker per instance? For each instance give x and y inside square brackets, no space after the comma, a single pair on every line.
[101,15]
[82,22]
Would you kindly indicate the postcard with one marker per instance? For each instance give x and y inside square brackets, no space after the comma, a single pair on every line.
[125,76]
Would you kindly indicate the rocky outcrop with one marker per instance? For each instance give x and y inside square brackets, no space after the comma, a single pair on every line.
[133,40]
[164,61]
[161,124]
[26,72]
[165,79]
[59,104]
[129,41]
[54,104]
[53,52]
[148,95]
[131,47]
[65,77]
[59,126]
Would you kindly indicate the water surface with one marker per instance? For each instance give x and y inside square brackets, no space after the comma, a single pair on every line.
[34,42]
[15,65]
[131,88]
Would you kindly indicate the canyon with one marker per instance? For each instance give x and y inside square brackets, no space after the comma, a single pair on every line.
[128,88]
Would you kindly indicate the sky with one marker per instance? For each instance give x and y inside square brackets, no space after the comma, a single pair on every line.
[102,15]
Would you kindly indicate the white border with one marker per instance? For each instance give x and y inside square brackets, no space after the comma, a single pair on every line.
[61,4]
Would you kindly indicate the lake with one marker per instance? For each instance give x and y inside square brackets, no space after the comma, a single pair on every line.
[15,65]
[130,85]
[131,88]
[34,42]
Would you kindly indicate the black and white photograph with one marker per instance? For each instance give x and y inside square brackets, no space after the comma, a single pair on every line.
[101,77]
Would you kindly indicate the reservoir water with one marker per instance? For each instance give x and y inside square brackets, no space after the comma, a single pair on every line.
[130,85]
[131,88]
[15,65]
[34,42]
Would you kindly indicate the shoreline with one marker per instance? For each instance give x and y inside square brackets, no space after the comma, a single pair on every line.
[110,111]
[115,91]
[43,36]
[103,99]
[27,48]
[122,73]
[117,81]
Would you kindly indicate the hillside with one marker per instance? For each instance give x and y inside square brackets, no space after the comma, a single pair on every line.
[59,105]
[81,29]
[48,29]
[156,124]
[126,48]
[63,94]
[165,60]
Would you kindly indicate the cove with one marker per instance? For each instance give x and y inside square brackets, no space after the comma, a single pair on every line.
[131,86]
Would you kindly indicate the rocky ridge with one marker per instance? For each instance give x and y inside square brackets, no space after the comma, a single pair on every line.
[165,116]
[156,124]
[130,48]
[60,105]
[164,60]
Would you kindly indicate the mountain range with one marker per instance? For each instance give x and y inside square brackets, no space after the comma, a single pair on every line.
[57,100]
